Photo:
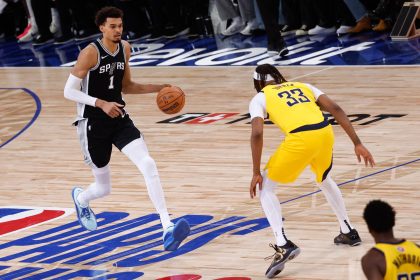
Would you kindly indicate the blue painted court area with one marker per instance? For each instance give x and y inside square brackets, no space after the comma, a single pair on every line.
[368,48]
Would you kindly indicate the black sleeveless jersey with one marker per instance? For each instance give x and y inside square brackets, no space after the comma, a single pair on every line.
[104,81]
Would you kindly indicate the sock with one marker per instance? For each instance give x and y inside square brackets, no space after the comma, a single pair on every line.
[272,209]
[333,195]
[100,188]
[137,152]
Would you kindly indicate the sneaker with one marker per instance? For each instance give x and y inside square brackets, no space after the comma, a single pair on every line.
[284,253]
[382,26]
[318,30]
[303,30]
[63,39]
[280,50]
[25,32]
[85,215]
[174,235]
[363,24]
[343,29]
[42,40]
[84,34]
[235,27]
[287,30]
[352,238]
[249,27]
[28,37]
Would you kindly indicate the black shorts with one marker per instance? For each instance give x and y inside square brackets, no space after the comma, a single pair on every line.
[97,136]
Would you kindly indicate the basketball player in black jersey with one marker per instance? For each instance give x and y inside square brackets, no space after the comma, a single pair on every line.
[96,83]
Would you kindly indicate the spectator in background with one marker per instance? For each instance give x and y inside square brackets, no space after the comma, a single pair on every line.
[243,21]
[361,15]
[12,18]
[269,10]
[386,13]
[324,10]
[136,20]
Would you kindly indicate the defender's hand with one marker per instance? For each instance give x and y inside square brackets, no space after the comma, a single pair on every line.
[257,179]
[362,152]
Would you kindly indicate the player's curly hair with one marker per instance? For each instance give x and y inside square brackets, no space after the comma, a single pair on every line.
[107,12]
[267,69]
[379,216]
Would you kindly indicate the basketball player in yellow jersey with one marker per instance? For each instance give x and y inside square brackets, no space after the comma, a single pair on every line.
[391,258]
[296,109]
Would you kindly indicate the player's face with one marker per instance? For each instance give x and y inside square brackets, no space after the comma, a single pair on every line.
[112,29]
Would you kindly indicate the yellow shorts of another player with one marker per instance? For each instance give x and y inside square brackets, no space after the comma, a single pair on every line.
[298,150]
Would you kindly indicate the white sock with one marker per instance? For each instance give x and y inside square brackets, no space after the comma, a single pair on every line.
[100,188]
[335,199]
[272,209]
[137,152]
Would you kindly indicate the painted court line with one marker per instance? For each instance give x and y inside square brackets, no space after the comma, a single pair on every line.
[352,180]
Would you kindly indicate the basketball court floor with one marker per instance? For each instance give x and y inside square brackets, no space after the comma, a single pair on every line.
[203,157]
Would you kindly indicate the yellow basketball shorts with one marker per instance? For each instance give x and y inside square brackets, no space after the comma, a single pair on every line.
[298,150]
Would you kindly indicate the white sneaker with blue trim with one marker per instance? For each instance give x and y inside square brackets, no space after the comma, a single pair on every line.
[85,215]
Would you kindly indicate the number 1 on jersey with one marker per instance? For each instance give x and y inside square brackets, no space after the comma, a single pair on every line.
[111,82]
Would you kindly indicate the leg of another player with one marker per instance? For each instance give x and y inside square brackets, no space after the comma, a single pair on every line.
[285,249]
[348,235]
[173,235]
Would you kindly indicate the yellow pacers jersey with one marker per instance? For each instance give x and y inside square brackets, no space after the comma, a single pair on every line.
[291,105]
[402,260]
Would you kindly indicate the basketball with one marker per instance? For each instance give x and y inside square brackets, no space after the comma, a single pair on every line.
[170,100]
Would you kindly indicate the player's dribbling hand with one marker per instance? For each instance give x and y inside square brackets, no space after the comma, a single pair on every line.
[112,109]
[257,179]
[362,152]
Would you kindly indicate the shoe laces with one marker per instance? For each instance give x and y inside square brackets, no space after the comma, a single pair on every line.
[85,213]
[279,252]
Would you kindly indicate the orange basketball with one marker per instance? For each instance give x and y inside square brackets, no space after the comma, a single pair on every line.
[170,100]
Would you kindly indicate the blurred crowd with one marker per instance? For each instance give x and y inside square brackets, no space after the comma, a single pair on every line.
[61,21]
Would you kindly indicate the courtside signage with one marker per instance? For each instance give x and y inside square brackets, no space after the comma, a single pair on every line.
[237,118]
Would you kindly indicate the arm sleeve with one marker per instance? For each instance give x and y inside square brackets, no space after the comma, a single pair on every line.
[72,92]
[257,106]
[317,92]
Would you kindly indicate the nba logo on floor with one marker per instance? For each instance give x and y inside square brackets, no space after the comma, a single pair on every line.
[17,218]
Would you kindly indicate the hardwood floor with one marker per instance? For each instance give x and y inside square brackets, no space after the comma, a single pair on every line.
[205,169]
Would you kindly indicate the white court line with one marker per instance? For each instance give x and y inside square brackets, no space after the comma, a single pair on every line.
[311,73]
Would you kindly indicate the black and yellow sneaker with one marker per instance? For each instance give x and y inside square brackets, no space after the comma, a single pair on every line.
[352,238]
[283,254]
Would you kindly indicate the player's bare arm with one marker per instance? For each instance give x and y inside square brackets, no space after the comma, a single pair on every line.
[129,86]
[326,104]
[256,147]
[373,265]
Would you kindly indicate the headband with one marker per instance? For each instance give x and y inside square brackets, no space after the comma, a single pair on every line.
[257,76]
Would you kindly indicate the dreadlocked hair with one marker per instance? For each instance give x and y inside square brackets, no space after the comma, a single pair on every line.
[268,69]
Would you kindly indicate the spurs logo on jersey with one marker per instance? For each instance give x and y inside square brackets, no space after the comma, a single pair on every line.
[110,67]
[104,81]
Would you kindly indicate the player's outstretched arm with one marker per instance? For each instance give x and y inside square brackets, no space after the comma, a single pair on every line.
[129,86]
[340,116]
